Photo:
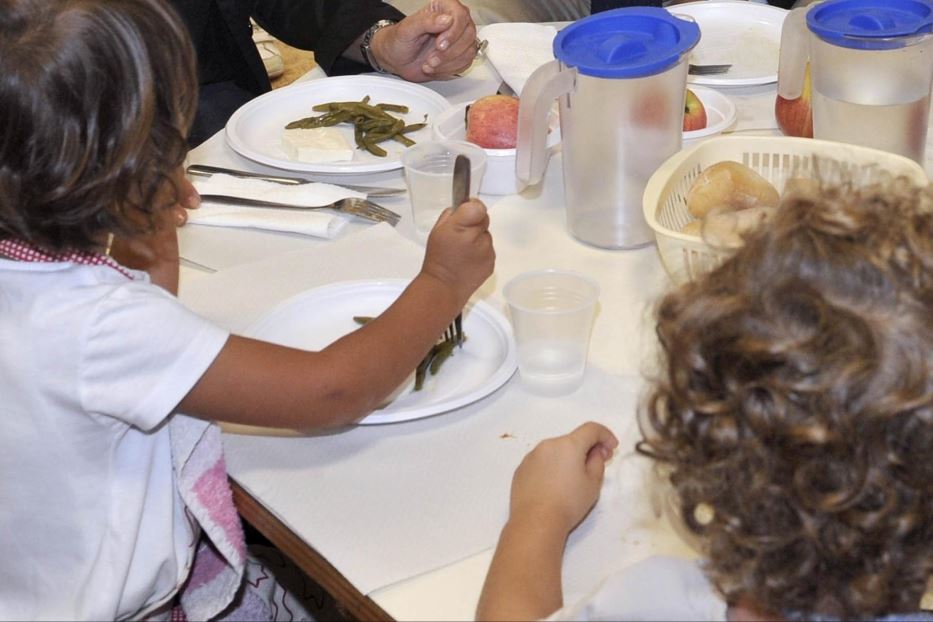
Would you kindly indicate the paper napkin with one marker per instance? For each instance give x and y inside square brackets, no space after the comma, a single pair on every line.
[315,223]
[515,50]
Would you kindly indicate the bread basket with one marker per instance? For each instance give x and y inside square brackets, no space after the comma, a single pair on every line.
[776,158]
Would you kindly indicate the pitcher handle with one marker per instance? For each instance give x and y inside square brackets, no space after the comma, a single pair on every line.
[546,84]
[795,52]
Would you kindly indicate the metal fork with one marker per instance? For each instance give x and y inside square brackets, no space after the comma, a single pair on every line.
[357,207]
[707,70]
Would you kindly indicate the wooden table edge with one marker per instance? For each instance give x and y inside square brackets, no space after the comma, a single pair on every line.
[312,563]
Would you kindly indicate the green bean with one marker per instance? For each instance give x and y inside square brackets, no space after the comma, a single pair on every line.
[422,370]
[372,124]
[443,351]
[363,319]
[405,140]
[393,108]
[413,128]
[373,148]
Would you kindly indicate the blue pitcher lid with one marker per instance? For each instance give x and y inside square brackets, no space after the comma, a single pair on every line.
[870,24]
[625,43]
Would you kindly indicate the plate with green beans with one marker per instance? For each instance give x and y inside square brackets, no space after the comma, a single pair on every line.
[378,116]
[448,378]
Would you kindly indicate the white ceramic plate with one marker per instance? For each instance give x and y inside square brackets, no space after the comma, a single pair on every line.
[745,34]
[255,129]
[720,112]
[314,319]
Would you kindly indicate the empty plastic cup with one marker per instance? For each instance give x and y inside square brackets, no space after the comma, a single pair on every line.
[429,173]
[552,314]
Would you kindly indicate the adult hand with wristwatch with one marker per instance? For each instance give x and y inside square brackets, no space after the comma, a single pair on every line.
[435,43]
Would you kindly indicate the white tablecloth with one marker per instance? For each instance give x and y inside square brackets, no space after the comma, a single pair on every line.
[410,512]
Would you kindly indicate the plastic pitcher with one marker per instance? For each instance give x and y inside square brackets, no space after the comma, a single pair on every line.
[621,79]
[871,66]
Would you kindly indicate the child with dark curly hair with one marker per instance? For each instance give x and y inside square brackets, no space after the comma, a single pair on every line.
[794,419]
[106,488]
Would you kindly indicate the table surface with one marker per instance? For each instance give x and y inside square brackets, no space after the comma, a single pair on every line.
[419,574]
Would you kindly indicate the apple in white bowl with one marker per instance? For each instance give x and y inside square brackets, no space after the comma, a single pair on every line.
[694,113]
[492,122]
[718,109]
[499,177]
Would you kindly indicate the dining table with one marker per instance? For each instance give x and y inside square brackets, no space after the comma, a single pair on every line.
[399,521]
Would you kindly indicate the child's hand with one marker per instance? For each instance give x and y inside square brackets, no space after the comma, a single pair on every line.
[188,198]
[559,480]
[459,250]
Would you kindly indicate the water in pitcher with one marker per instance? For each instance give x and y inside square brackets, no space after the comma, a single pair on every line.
[897,128]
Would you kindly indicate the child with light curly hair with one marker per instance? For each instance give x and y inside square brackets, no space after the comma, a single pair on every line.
[794,419]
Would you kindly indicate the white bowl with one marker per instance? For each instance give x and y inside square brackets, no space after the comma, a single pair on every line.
[720,113]
[500,163]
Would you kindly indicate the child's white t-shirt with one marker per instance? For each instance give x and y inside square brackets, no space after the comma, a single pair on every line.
[91,364]
[657,588]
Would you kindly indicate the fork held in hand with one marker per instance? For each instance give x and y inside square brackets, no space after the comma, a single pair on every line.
[461,194]
[357,207]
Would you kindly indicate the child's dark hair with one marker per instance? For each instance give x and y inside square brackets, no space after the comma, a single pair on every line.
[795,412]
[96,98]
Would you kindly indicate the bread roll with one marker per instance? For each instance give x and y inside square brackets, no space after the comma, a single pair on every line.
[694,227]
[729,185]
[728,229]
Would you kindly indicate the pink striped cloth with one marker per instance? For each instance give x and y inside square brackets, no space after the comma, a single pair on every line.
[220,559]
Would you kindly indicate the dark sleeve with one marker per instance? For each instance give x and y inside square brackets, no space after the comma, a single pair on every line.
[328,27]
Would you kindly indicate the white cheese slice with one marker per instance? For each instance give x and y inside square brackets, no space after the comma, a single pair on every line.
[321,144]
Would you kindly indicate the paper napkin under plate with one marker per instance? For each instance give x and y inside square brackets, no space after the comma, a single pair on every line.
[515,50]
[315,223]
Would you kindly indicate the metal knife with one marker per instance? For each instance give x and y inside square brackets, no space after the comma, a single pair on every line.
[461,185]
[204,170]
[460,195]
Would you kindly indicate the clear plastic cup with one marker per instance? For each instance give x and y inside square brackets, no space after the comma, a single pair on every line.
[552,314]
[429,173]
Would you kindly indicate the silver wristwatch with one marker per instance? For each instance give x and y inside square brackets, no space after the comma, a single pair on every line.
[365,45]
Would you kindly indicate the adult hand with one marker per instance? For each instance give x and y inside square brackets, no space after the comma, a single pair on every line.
[559,480]
[434,43]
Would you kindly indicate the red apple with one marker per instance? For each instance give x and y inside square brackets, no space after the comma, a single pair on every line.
[694,113]
[795,116]
[492,122]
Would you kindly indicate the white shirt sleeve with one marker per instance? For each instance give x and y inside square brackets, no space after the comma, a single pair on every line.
[657,588]
[142,353]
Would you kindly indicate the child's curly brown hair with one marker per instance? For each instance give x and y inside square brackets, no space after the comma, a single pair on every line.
[795,412]
[96,99]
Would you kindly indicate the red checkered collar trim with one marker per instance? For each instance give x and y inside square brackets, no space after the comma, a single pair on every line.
[18,250]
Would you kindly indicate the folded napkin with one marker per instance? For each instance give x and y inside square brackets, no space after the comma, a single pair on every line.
[319,224]
[515,50]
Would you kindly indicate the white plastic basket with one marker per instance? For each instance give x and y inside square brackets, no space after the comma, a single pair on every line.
[776,158]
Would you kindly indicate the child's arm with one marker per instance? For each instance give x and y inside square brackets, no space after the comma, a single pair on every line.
[259,383]
[157,252]
[553,489]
